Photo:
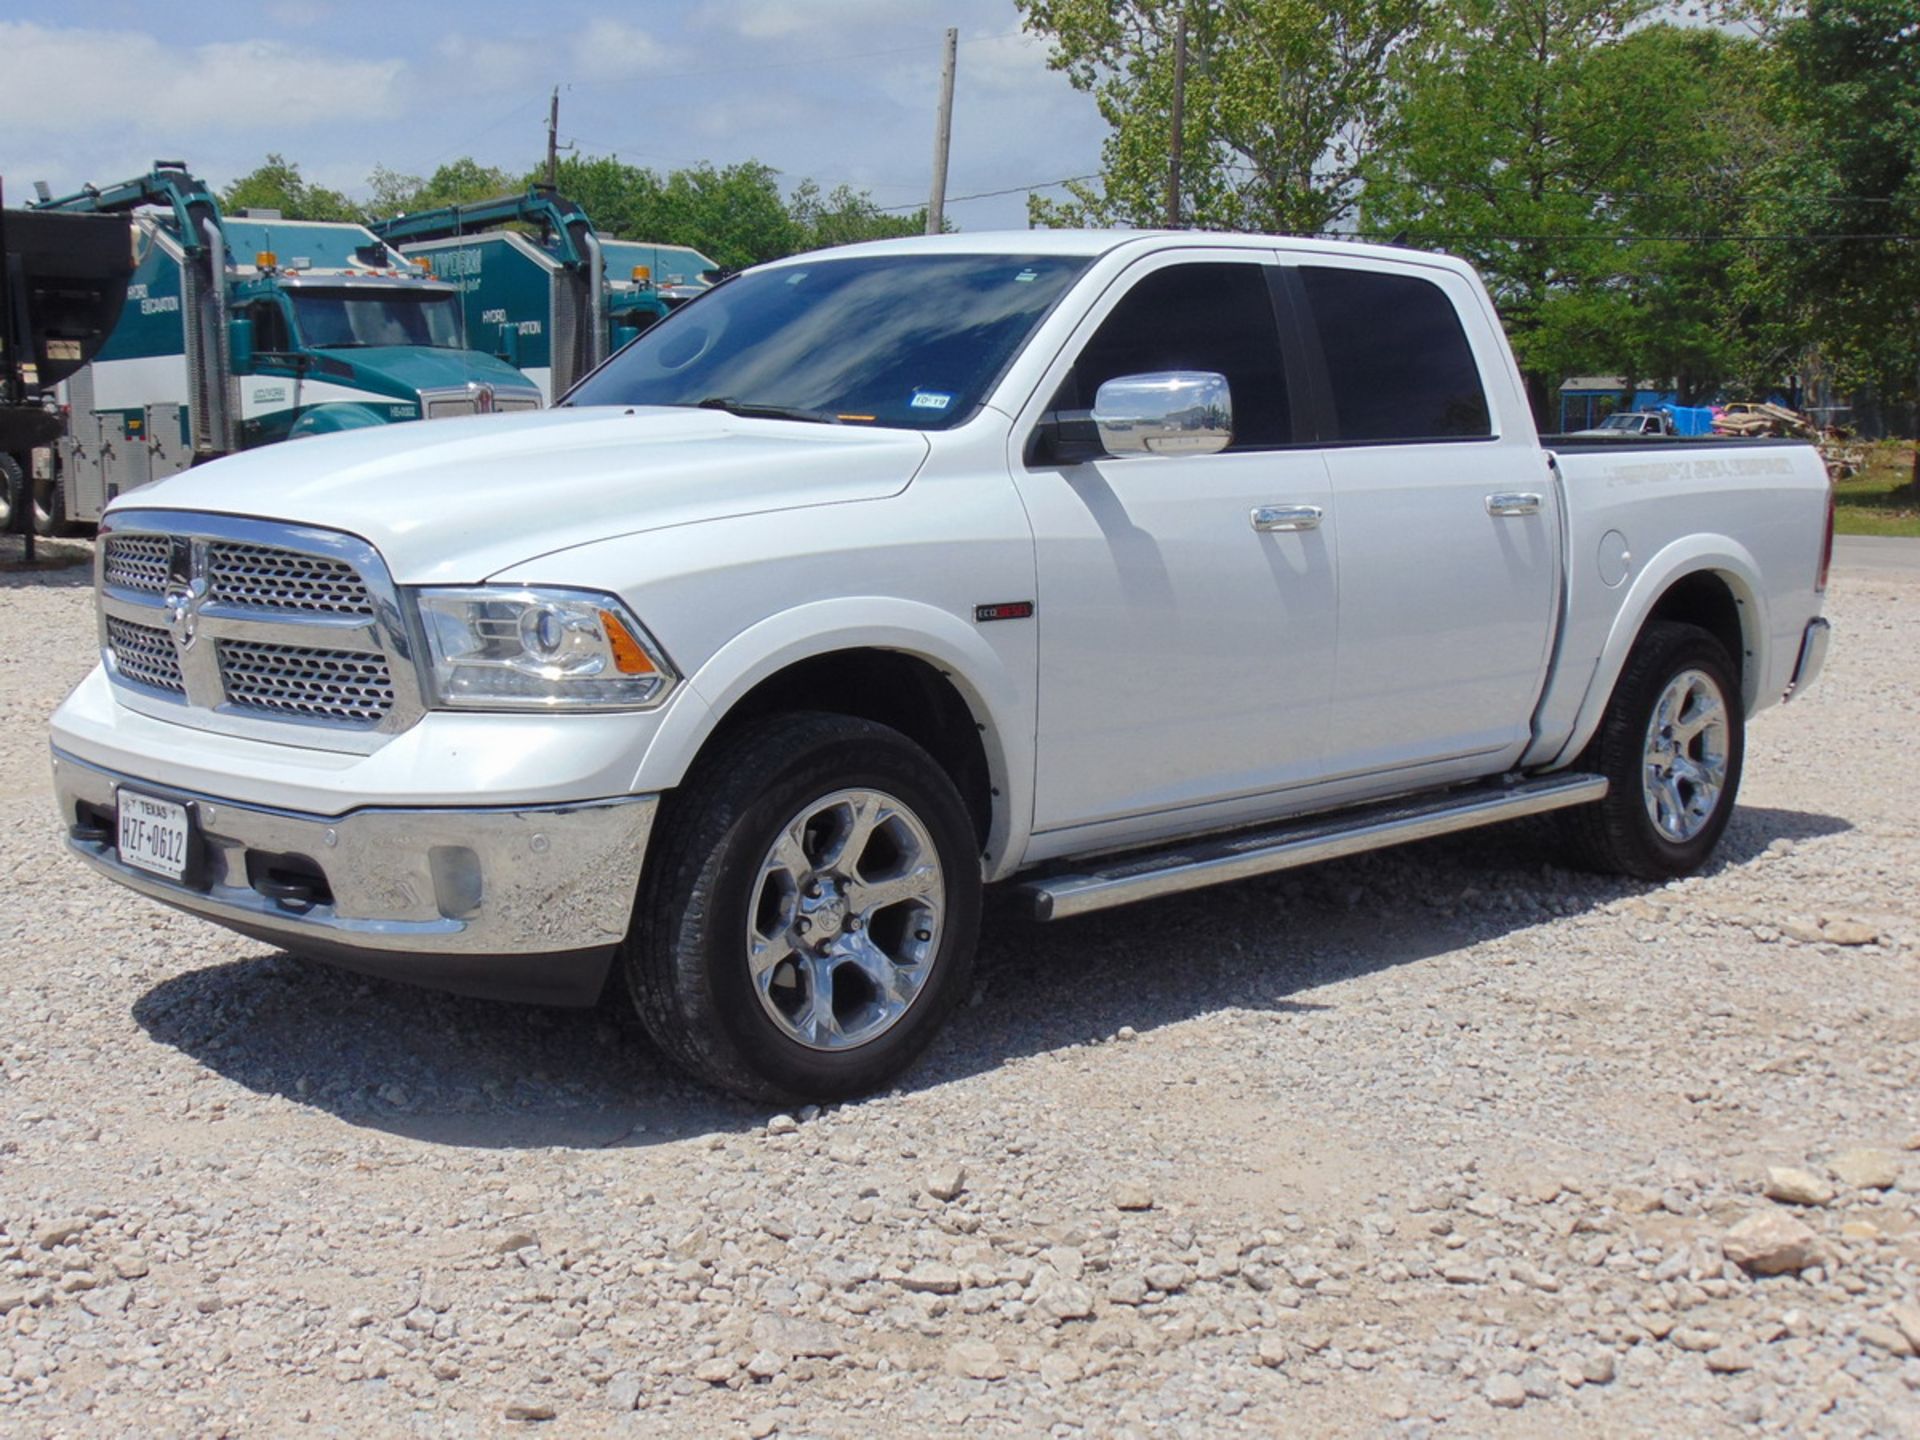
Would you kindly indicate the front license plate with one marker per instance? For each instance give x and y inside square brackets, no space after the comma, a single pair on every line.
[154,834]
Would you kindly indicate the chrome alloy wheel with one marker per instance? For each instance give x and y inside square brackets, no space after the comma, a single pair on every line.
[844,919]
[1685,766]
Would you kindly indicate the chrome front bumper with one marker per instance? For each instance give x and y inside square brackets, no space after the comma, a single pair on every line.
[529,902]
[1813,656]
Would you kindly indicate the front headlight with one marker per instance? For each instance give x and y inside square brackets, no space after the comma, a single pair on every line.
[538,649]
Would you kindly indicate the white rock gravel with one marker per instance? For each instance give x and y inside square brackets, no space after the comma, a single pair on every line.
[1442,1141]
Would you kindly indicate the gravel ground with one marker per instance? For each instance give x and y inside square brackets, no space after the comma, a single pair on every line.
[1442,1141]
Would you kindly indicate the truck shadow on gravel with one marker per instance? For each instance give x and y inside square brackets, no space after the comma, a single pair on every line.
[453,1071]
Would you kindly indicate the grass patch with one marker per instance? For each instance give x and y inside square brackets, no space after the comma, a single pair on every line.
[1876,502]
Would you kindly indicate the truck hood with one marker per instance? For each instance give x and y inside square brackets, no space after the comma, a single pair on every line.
[455,501]
[403,371]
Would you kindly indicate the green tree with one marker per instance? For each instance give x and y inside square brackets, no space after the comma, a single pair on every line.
[620,199]
[458,182]
[1852,184]
[1283,100]
[845,217]
[1585,161]
[277,185]
[736,214]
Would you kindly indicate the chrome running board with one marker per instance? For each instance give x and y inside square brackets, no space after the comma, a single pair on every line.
[1216,859]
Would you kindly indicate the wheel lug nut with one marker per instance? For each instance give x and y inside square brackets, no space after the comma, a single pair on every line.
[923,935]
[804,925]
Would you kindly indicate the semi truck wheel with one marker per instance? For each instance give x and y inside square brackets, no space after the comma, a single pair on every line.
[49,507]
[14,497]
[809,912]
[1671,746]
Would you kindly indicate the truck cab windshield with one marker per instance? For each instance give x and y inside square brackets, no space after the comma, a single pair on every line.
[914,341]
[337,319]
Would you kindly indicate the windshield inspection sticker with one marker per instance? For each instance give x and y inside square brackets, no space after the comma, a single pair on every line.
[1026,277]
[930,400]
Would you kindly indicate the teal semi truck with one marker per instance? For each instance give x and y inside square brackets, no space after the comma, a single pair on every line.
[242,330]
[552,297]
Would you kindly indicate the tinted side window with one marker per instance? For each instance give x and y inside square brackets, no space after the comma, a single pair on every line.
[1195,317]
[1397,359]
[269,327]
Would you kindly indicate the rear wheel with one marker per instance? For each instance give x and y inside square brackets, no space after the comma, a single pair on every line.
[809,913]
[1671,746]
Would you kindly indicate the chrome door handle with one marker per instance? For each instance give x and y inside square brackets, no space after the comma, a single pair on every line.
[1268,518]
[1513,504]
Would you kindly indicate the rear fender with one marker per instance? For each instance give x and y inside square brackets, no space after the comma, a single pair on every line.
[1720,555]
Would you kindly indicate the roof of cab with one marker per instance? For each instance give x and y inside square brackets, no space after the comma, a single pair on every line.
[1094,243]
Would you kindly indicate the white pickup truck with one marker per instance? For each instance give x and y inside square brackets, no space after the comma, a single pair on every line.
[1104,565]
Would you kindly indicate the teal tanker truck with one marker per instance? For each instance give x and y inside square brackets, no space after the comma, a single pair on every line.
[247,329]
[551,296]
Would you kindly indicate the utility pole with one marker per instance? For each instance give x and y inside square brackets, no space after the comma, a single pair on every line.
[1177,141]
[553,140]
[943,139]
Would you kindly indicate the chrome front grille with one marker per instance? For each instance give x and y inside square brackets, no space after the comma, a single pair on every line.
[254,628]
[477,398]
[268,578]
[145,655]
[347,687]
[139,562]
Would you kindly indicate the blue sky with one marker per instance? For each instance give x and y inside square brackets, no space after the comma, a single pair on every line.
[839,90]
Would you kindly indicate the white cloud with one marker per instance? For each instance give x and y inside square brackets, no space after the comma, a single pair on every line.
[134,78]
[604,50]
[847,20]
[610,49]
[468,62]
[299,14]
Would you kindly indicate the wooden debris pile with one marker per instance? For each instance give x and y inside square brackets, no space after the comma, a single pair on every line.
[1747,420]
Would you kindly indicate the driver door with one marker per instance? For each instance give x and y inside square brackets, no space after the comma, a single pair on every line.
[1186,651]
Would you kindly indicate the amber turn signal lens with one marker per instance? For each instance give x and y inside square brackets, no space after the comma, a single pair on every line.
[628,655]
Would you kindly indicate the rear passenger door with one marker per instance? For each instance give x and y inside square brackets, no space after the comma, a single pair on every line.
[1448,538]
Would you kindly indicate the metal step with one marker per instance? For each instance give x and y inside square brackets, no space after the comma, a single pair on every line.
[1216,859]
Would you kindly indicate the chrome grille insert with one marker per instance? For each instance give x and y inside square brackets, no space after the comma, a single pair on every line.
[290,634]
[145,655]
[268,578]
[348,687]
[138,562]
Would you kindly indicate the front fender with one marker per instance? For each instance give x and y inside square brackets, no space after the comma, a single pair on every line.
[864,623]
[1720,555]
[331,419]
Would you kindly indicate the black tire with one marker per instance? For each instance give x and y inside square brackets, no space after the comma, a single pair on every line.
[13,494]
[1620,835]
[686,955]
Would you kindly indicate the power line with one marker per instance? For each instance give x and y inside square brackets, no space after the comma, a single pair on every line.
[994,194]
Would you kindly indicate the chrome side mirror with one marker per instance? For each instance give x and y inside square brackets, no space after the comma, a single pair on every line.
[1172,412]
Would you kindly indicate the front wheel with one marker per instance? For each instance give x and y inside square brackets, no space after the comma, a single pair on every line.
[1670,745]
[810,911]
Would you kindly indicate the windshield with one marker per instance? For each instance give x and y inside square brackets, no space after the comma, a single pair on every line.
[1623,422]
[906,340]
[335,319]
